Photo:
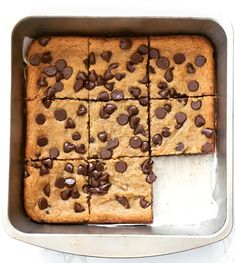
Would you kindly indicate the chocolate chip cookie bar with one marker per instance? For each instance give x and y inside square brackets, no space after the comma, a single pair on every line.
[118,67]
[53,191]
[58,129]
[118,129]
[129,198]
[56,67]
[181,66]
[182,126]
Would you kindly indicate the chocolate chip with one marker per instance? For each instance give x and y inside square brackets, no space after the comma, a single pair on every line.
[190,68]
[42,203]
[184,101]
[42,82]
[120,166]
[167,107]
[162,85]
[91,58]
[123,201]
[144,147]
[100,81]
[60,114]
[46,57]
[42,141]
[144,101]
[102,136]
[154,53]
[135,142]
[196,105]
[143,203]
[43,41]
[68,168]
[200,61]
[50,93]
[26,174]
[81,75]
[125,43]
[82,169]
[58,86]
[136,58]
[151,70]
[208,132]
[108,75]
[103,96]
[67,72]
[112,143]
[74,193]
[122,119]
[132,110]
[86,189]
[169,74]
[179,147]
[147,166]
[103,113]
[199,121]
[92,75]
[48,163]
[163,63]
[40,119]
[144,80]
[134,122]
[193,85]
[179,58]
[79,85]
[80,148]
[54,152]
[78,208]
[135,92]
[105,154]
[113,66]
[166,132]
[60,64]
[86,62]
[59,76]
[35,60]
[68,147]
[207,148]
[120,76]
[60,183]
[143,49]
[65,194]
[70,182]
[47,190]
[91,139]
[160,112]
[180,117]
[50,71]
[76,136]
[109,86]
[151,178]
[117,95]
[69,124]
[44,170]
[106,55]
[157,139]
[81,110]
[164,93]
[110,108]
[130,66]
[139,129]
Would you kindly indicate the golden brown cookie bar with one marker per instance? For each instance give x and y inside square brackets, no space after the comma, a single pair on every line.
[53,67]
[53,191]
[181,65]
[118,129]
[119,68]
[129,198]
[182,126]
[59,130]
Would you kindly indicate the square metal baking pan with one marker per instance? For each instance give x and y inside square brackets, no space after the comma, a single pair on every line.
[119,241]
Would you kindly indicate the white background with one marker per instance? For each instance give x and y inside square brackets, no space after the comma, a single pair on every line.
[11,12]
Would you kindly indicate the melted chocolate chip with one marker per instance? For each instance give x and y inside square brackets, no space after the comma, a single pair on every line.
[120,76]
[105,154]
[208,132]
[106,55]
[190,68]
[67,72]
[125,43]
[193,85]
[135,92]
[58,86]
[167,107]
[199,121]
[162,85]
[82,169]
[143,203]
[147,166]
[196,105]
[120,166]
[47,102]
[207,148]
[160,112]
[46,57]
[69,168]
[144,147]
[60,183]
[42,82]
[78,208]
[108,75]
[40,119]
[102,136]
[47,190]
[81,110]
[35,60]
[54,152]
[135,142]
[163,63]
[179,58]
[132,110]
[103,96]
[180,117]
[42,203]
[74,193]
[79,85]
[143,49]
[70,124]
[68,147]
[123,201]
[166,132]
[122,119]
[151,70]
[144,101]
[130,66]
[144,80]
[117,95]
[169,74]
[112,144]
[42,141]
[50,71]
[157,139]
[200,61]
[80,148]
[91,58]
[151,178]
[139,129]
[109,86]
[136,58]
[65,194]
[179,147]
[43,41]
[44,170]
[76,136]
[154,53]
[60,114]
[48,163]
